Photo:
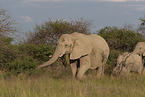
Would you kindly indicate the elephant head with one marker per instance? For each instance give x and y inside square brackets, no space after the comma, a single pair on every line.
[75,44]
[140,49]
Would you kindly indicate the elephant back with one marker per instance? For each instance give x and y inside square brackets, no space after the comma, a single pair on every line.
[100,43]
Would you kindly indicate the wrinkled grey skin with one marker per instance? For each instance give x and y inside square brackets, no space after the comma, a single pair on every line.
[89,51]
[140,49]
[128,62]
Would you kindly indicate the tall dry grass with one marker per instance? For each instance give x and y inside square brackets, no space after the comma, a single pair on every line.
[48,86]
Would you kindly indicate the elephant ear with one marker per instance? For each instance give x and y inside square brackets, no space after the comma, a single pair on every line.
[81,47]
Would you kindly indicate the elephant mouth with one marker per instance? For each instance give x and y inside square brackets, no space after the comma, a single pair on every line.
[67,52]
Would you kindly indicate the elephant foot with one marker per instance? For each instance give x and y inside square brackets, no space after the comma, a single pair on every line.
[74,78]
[81,77]
[100,75]
[84,77]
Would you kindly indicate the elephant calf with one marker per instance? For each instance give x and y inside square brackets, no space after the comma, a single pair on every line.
[128,62]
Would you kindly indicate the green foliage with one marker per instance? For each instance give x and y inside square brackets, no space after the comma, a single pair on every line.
[121,39]
[16,59]
[8,52]
[6,40]
[49,32]
[23,64]
[112,61]
[39,52]
[6,23]
[141,27]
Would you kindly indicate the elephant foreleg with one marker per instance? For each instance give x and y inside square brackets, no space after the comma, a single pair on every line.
[84,66]
[100,72]
[74,68]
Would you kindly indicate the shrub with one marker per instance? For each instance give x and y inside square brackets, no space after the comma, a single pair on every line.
[112,61]
[16,59]
[23,64]
[40,52]
[8,52]
[121,39]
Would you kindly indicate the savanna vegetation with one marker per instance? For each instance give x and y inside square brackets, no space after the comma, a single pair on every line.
[18,62]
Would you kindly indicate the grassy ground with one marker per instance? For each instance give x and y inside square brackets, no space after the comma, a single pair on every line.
[65,86]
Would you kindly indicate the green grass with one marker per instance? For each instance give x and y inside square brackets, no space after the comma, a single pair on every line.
[50,86]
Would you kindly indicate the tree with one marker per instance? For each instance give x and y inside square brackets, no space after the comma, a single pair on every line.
[120,38]
[7,53]
[50,31]
[6,23]
[6,26]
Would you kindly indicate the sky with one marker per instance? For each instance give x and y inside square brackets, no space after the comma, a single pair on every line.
[102,13]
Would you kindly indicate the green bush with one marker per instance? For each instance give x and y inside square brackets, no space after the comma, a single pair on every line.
[121,39]
[23,64]
[39,52]
[112,60]
[8,52]
[15,59]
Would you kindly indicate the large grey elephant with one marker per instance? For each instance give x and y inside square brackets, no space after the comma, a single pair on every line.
[128,62]
[89,51]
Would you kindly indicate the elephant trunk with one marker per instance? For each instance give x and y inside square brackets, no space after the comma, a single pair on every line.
[56,54]
[117,70]
[67,60]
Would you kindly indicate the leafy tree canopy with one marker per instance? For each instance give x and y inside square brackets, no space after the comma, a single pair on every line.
[120,38]
[6,23]
[50,31]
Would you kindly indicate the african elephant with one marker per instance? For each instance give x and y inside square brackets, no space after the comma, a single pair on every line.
[140,49]
[87,51]
[128,62]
